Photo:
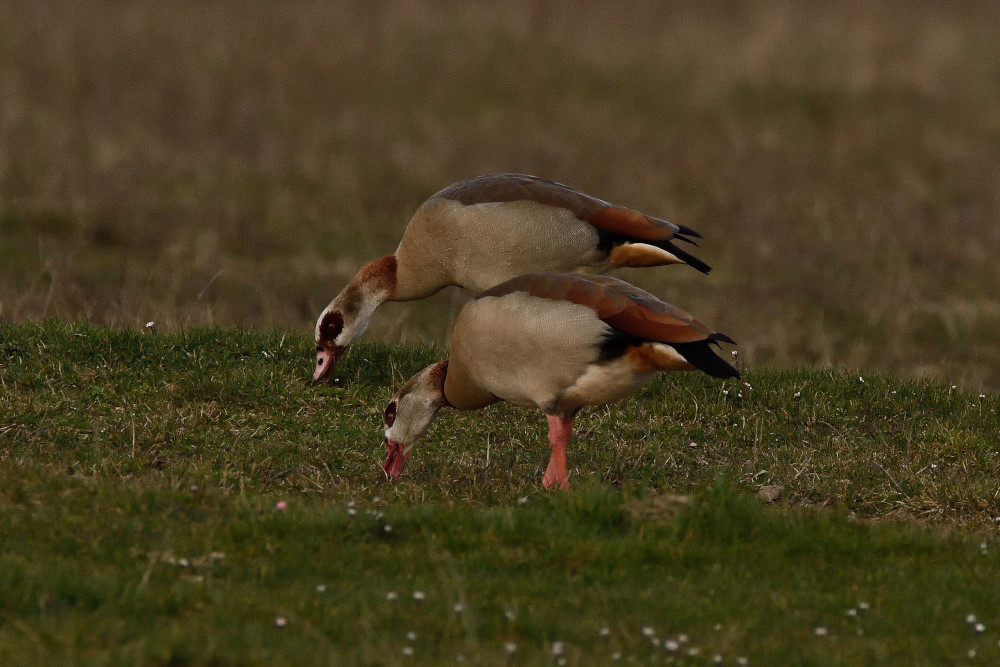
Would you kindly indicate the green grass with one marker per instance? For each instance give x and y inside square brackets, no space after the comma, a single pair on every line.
[140,476]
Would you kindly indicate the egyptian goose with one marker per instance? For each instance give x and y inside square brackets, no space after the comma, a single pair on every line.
[483,231]
[557,342]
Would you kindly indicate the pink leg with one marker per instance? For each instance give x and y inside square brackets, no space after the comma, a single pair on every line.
[560,431]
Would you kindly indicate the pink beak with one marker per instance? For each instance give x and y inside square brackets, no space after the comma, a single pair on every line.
[395,459]
[326,361]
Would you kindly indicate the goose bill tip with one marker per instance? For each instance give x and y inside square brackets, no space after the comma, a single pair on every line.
[395,459]
[326,361]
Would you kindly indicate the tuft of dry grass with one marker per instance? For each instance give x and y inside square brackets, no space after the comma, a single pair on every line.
[235,163]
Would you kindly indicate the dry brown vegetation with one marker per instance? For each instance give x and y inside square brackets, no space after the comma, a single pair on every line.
[234,162]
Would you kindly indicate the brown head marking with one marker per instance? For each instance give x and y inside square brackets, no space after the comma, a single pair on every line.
[389,418]
[330,328]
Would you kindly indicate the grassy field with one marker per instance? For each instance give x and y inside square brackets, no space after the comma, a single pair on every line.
[191,498]
[232,163]
[182,494]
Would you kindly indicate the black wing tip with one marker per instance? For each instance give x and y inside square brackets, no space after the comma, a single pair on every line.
[685,257]
[700,355]
[721,337]
[687,231]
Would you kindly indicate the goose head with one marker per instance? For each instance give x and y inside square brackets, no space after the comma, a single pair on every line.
[348,315]
[330,342]
[410,413]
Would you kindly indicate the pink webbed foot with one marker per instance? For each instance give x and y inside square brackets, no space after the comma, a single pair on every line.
[560,431]
[555,476]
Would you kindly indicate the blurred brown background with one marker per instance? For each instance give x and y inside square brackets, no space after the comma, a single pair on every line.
[236,162]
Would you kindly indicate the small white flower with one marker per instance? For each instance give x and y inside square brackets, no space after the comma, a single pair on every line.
[411,636]
[280,622]
[694,651]
[321,588]
[717,658]
[980,627]
[391,596]
[648,631]
[150,324]
[557,648]
[418,596]
[616,656]
[742,660]
[671,645]
[725,392]
[970,618]
[387,528]
[407,650]
[605,631]
[510,647]
[852,612]
[971,654]
[458,608]
[819,631]
[798,394]
[523,500]
[863,606]
[861,379]
[693,444]
[682,638]
[510,614]
[982,396]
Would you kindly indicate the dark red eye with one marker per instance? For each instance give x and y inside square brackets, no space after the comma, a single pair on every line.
[390,414]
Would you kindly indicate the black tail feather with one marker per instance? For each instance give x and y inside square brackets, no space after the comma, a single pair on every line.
[701,355]
[716,337]
[685,257]
[687,231]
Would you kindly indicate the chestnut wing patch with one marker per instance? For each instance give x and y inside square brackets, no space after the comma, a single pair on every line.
[619,304]
[634,225]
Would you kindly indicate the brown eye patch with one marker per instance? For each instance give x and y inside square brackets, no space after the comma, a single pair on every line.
[390,414]
[331,326]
